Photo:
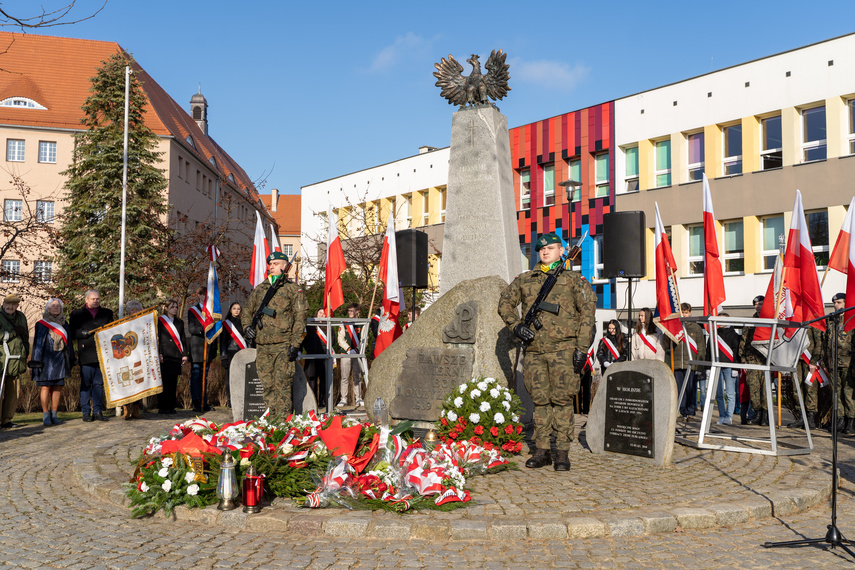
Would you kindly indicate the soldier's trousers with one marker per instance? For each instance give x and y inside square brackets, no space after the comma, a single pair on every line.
[756,385]
[552,383]
[276,374]
[809,390]
[845,394]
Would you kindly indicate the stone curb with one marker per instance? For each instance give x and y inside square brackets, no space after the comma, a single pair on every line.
[282,517]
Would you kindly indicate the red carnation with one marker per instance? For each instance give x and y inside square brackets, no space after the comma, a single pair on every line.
[519,429]
[488,446]
[462,423]
[518,447]
[444,421]
[495,431]
[479,430]
[509,429]
[452,434]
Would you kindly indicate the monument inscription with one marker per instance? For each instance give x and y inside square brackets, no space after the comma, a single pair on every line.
[253,396]
[428,376]
[629,414]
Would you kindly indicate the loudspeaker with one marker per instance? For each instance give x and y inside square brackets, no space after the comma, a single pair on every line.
[624,245]
[412,258]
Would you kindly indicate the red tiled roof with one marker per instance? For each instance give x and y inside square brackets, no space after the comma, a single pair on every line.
[56,73]
[287,214]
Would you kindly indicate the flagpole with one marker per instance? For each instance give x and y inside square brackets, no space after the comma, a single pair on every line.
[204,370]
[824,275]
[124,197]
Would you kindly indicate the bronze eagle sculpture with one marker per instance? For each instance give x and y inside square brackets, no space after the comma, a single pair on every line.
[476,88]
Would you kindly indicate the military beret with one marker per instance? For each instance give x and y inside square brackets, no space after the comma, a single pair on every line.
[12,299]
[547,239]
[758,299]
[838,296]
[277,255]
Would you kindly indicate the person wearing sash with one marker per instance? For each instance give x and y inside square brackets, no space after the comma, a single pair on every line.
[647,341]
[613,347]
[81,323]
[725,392]
[315,342]
[756,379]
[349,339]
[231,342]
[51,359]
[14,348]
[197,340]
[693,347]
[174,354]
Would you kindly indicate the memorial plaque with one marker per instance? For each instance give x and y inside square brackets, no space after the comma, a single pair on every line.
[629,414]
[428,376]
[253,395]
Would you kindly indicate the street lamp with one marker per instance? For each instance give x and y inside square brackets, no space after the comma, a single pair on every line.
[570,188]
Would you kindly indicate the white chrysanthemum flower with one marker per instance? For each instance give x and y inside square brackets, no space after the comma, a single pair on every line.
[189,476]
[442,414]
[167,462]
[452,417]
[507,395]
[462,388]
[144,487]
[499,418]
[494,393]
[506,405]
[474,418]
[475,393]
[286,449]
[458,402]
[482,386]
[489,380]
[167,485]
[485,406]
[515,418]
[193,489]
[164,472]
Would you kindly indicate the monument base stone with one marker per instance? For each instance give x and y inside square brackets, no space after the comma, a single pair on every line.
[246,392]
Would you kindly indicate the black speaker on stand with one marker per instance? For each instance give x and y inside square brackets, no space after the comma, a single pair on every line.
[624,253]
[412,248]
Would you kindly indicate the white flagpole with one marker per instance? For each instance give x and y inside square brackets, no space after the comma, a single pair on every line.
[124,197]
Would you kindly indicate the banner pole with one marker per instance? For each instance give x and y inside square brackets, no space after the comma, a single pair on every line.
[204,373]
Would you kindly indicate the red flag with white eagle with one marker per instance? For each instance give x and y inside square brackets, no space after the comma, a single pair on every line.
[388,329]
[800,274]
[714,295]
[333,294]
[667,298]
[260,251]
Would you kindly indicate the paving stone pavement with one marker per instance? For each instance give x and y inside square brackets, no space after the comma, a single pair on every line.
[62,511]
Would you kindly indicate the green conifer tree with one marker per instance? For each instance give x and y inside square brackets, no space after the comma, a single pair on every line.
[89,240]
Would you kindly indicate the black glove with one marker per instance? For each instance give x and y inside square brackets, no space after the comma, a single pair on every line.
[579,360]
[292,353]
[249,334]
[523,333]
[35,364]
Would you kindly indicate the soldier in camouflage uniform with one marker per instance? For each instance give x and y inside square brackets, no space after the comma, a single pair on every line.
[278,336]
[755,378]
[845,382]
[568,325]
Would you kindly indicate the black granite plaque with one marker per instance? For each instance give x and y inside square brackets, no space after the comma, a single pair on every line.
[428,376]
[253,396]
[629,414]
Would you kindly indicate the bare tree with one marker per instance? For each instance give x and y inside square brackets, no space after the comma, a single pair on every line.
[45,17]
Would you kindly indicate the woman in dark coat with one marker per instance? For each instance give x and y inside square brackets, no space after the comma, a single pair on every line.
[613,346]
[229,345]
[174,353]
[51,359]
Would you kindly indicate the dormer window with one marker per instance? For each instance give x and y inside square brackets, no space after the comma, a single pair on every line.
[189,140]
[231,177]
[21,103]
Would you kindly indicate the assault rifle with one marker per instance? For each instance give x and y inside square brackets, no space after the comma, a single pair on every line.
[263,309]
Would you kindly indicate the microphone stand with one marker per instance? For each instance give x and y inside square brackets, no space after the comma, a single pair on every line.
[833,537]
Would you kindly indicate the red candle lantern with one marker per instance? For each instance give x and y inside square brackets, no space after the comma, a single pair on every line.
[253,487]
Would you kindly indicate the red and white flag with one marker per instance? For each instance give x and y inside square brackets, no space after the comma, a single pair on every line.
[260,251]
[333,294]
[777,296]
[274,240]
[839,258]
[388,329]
[714,296]
[800,274]
[849,316]
[667,298]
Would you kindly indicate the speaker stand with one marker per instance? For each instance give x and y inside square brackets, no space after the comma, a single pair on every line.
[629,320]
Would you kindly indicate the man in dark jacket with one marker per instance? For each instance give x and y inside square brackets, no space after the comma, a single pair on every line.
[196,331]
[14,348]
[82,322]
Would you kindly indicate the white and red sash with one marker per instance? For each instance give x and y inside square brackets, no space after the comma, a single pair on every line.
[354,339]
[322,335]
[200,316]
[818,375]
[612,348]
[646,340]
[233,330]
[725,349]
[806,356]
[58,329]
[690,342]
[173,332]
[589,359]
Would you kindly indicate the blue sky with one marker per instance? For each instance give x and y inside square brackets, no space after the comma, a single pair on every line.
[302,92]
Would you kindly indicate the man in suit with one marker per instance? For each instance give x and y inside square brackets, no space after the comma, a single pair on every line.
[196,330]
[82,322]
[174,353]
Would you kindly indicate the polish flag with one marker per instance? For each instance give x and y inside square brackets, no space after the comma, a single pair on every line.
[800,274]
[274,241]
[333,294]
[260,251]
[388,329]
[713,275]
[777,297]
[839,259]
[849,316]
[667,297]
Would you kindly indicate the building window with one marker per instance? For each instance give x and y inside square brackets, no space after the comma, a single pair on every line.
[47,152]
[696,249]
[14,150]
[425,208]
[575,169]
[850,105]
[43,271]
[442,197]
[602,168]
[409,207]
[525,189]
[13,210]
[44,211]
[732,141]
[696,156]
[630,181]
[21,103]
[734,248]
[773,235]
[288,249]
[663,163]
[549,185]
[598,256]
[813,129]
[10,271]
[818,231]
[525,253]
[190,141]
[771,141]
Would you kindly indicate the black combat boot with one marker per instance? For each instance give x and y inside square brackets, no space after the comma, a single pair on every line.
[764,418]
[847,427]
[562,461]
[812,419]
[757,420]
[541,458]
[799,424]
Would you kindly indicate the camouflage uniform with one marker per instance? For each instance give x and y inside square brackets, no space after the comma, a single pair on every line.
[811,391]
[275,336]
[754,378]
[548,372]
[845,382]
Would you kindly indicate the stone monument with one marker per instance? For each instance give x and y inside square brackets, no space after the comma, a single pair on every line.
[634,412]
[246,391]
